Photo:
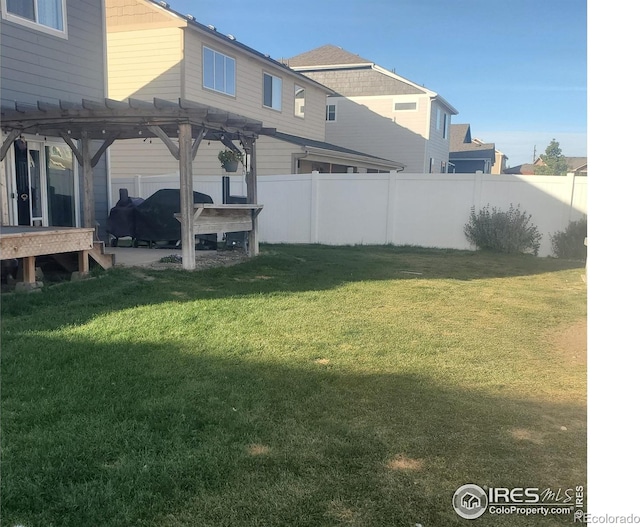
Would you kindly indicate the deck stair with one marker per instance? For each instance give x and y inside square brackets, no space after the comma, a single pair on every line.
[104,260]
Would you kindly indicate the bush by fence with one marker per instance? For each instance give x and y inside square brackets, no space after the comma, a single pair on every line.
[569,243]
[508,231]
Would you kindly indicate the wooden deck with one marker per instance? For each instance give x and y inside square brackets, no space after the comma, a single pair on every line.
[23,242]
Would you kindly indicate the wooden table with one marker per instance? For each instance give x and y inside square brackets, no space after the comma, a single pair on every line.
[209,218]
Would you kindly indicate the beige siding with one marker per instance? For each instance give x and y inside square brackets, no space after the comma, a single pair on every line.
[152,54]
[135,157]
[275,157]
[369,125]
[372,125]
[248,98]
[145,63]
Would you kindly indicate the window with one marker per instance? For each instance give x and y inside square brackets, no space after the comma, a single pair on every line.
[331,112]
[299,101]
[405,106]
[272,92]
[218,72]
[442,122]
[43,15]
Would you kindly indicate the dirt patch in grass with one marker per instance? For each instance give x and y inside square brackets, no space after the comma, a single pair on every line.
[402,462]
[524,434]
[258,450]
[571,342]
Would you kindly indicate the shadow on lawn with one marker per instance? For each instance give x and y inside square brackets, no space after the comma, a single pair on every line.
[159,435]
[279,269]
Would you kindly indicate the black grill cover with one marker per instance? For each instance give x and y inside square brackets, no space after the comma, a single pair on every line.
[154,217]
[120,222]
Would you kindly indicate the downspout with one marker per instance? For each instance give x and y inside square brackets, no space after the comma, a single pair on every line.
[296,158]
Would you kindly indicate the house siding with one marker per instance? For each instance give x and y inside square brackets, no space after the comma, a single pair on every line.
[137,157]
[371,125]
[438,148]
[37,66]
[145,63]
[153,55]
[248,98]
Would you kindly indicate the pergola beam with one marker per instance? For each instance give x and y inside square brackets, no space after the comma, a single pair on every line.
[11,137]
[160,133]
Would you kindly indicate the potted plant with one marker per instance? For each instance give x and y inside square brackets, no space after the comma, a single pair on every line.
[230,159]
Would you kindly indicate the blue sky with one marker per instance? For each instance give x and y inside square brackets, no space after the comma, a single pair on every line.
[516,70]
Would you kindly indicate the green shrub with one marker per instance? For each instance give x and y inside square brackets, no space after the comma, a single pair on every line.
[505,232]
[569,243]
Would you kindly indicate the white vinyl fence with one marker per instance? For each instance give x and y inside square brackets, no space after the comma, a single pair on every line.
[427,210]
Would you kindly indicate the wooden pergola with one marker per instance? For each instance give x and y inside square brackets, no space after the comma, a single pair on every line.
[110,120]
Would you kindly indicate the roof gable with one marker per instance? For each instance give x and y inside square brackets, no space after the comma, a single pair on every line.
[327,55]
[459,134]
[330,58]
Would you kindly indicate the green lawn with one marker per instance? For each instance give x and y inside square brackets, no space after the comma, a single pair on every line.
[311,386]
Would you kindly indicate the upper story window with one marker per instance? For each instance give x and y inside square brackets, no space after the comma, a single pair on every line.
[405,106]
[331,112]
[48,16]
[299,101]
[272,91]
[442,122]
[218,72]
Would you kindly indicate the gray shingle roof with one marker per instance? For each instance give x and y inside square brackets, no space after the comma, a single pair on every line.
[304,142]
[461,141]
[324,56]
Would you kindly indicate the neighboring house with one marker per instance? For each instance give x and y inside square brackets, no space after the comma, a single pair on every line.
[469,156]
[374,110]
[499,166]
[156,52]
[577,165]
[526,169]
[49,51]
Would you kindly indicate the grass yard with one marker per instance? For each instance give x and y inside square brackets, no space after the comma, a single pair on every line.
[311,386]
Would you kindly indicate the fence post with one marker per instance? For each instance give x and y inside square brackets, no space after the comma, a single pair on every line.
[137,185]
[315,189]
[570,188]
[391,206]
[477,192]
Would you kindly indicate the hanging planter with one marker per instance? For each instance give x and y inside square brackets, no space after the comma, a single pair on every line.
[230,159]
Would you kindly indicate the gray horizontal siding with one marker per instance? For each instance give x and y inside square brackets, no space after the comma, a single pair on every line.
[36,65]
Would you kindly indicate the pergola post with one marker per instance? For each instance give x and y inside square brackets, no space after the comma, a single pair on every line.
[186,197]
[252,196]
[87,177]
